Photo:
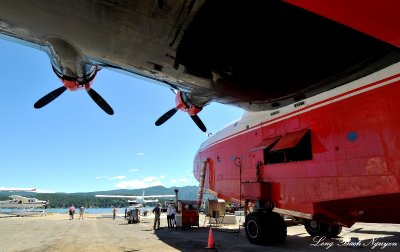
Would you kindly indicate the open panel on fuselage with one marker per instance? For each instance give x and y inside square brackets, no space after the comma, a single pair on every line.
[291,147]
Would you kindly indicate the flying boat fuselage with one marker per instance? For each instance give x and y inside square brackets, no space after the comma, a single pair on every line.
[333,158]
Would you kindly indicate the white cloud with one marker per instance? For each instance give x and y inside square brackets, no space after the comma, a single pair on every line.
[134,170]
[45,191]
[162,177]
[140,153]
[151,179]
[180,181]
[136,183]
[117,177]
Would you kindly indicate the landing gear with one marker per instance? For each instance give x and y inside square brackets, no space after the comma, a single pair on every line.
[315,228]
[265,228]
[254,230]
[334,231]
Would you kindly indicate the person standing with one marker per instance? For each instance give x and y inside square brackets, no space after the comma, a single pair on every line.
[169,215]
[44,211]
[157,212]
[115,213]
[173,216]
[81,211]
[71,212]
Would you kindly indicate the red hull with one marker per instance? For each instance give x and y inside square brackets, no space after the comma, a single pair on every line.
[354,172]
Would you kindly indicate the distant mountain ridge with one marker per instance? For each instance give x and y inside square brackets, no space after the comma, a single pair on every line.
[185,192]
[88,199]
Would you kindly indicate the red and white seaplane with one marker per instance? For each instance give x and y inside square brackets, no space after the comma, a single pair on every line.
[320,82]
[138,200]
[17,201]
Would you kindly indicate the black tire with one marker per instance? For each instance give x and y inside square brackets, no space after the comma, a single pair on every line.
[333,231]
[265,228]
[315,228]
[277,230]
[254,229]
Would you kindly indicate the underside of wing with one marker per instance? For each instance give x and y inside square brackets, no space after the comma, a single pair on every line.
[257,55]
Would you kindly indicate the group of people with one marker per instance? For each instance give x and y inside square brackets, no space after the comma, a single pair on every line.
[82,211]
[72,212]
[170,216]
[171,211]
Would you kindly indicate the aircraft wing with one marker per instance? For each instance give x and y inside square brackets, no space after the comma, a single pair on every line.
[257,55]
[149,201]
[14,189]
[134,197]
[159,196]
[117,196]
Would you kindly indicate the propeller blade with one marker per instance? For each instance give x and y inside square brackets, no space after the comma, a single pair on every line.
[199,123]
[49,97]
[166,116]
[100,101]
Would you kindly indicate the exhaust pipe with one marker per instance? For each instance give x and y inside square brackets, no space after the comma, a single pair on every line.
[176,197]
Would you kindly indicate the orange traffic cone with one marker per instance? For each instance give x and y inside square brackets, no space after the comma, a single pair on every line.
[211,244]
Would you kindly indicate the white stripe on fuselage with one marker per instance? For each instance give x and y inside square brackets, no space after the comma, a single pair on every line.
[255,120]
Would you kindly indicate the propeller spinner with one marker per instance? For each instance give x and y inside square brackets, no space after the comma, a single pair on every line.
[73,84]
[191,109]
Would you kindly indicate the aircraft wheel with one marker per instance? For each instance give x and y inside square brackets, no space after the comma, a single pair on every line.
[315,228]
[265,228]
[254,229]
[333,231]
[277,229]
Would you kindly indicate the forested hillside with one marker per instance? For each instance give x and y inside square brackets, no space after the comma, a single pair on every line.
[88,199]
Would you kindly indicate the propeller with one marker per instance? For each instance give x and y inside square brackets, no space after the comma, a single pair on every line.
[166,116]
[100,101]
[191,109]
[73,84]
[49,97]
[199,122]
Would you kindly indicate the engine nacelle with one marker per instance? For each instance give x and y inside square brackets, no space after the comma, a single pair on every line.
[184,104]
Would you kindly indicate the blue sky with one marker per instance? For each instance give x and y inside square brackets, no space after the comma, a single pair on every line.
[71,145]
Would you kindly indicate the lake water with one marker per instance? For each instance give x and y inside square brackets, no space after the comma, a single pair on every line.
[91,210]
